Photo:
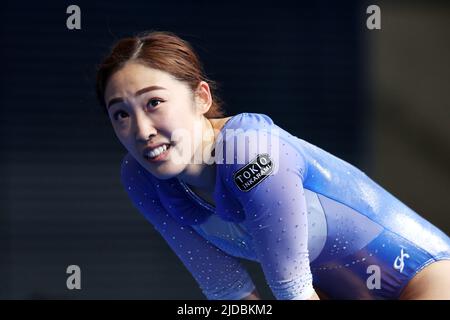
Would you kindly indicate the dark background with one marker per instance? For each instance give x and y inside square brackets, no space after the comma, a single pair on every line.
[377,99]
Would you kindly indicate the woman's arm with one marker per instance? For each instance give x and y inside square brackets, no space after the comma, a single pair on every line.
[269,186]
[219,275]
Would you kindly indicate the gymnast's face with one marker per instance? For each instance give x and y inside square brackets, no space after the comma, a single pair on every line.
[149,107]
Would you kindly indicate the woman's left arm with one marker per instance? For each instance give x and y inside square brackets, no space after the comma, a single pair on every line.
[270,189]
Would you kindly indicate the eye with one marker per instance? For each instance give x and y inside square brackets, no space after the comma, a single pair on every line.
[120,113]
[154,102]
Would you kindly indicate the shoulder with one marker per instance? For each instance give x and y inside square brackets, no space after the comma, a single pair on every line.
[249,120]
[254,146]
[245,128]
[247,135]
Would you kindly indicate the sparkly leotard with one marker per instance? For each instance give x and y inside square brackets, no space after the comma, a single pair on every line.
[309,218]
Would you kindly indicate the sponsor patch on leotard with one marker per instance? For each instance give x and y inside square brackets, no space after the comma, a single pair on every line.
[253,173]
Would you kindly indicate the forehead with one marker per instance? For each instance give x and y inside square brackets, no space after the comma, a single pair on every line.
[134,76]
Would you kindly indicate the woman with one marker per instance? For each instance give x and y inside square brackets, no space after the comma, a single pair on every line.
[217,188]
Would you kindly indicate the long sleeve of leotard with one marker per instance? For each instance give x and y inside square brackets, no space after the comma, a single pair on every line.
[219,275]
[268,185]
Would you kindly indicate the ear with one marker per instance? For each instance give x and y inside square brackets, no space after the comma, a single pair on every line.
[203,98]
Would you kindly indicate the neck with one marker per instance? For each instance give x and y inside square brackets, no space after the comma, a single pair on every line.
[203,175]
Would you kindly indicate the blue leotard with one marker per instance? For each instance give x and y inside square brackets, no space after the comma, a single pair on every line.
[309,218]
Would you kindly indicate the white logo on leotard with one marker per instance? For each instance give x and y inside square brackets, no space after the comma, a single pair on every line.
[399,264]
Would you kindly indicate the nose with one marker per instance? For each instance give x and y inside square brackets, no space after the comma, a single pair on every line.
[144,128]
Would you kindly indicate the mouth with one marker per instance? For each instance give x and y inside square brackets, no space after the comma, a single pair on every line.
[157,154]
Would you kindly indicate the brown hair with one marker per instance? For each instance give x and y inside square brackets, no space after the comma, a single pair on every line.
[160,50]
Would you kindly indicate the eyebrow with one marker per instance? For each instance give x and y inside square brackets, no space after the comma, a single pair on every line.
[138,93]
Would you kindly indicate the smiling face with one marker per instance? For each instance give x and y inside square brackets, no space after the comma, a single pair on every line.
[148,107]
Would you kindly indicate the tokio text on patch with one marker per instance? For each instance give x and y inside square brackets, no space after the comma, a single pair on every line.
[254,172]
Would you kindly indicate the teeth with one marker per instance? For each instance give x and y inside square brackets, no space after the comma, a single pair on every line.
[157,151]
